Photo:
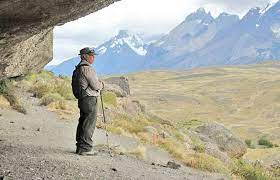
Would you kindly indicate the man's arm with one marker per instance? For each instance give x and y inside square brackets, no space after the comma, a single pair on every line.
[93,81]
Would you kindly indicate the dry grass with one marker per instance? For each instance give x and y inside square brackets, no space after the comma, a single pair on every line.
[54,92]
[4,102]
[139,152]
[244,98]
[7,91]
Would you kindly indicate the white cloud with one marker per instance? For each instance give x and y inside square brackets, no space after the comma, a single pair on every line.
[148,17]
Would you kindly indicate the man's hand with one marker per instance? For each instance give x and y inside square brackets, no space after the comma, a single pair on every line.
[102,84]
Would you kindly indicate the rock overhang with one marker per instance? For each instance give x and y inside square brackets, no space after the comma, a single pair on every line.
[26,26]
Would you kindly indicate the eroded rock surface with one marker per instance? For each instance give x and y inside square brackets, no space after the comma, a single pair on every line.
[218,135]
[26,30]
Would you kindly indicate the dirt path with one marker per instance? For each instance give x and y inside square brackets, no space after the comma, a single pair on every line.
[41,146]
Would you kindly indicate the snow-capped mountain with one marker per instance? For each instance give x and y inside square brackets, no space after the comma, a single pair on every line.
[121,54]
[200,40]
[225,40]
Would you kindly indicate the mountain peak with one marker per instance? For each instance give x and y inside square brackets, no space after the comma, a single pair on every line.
[268,6]
[201,10]
[123,33]
[199,14]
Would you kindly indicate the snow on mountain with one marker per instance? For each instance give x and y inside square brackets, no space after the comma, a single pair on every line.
[200,40]
[268,6]
[121,54]
[124,37]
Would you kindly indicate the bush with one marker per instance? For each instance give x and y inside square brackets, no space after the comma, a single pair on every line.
[265,142]
[51,97]
[64,88]
[9,94]
[205,162]
[250,144]
[109,98]
[246,170]
[42,88]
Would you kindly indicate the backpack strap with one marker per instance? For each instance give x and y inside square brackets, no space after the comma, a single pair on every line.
[80,65]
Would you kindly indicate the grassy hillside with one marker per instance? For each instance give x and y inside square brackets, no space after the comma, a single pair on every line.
[244,98]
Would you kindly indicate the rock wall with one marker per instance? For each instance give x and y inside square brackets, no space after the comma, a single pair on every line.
[26,25]
[29,55]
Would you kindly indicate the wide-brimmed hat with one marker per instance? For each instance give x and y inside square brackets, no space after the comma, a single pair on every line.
[87,50]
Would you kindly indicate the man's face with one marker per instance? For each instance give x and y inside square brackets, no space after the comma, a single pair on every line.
[90,58]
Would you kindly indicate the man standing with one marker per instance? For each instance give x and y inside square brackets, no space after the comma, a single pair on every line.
[91,86]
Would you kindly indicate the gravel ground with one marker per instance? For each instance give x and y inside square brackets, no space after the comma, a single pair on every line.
[41,146]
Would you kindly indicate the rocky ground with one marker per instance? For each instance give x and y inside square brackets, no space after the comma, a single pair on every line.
[39,145]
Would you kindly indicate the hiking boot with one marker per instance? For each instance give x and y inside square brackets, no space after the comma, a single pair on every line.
[83,152]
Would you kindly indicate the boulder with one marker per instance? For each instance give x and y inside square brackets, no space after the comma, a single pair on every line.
[118,85]
[224,139]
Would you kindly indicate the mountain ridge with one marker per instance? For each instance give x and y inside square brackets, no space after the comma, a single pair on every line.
[200,40]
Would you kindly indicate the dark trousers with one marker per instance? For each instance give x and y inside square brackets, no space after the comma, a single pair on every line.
[87,122]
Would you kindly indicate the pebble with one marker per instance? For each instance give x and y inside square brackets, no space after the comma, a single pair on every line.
[114,169]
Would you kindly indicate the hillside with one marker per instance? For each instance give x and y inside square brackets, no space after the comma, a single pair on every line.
[160,130]
[244,98]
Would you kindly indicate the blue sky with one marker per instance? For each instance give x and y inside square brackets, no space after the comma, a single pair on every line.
[146,17]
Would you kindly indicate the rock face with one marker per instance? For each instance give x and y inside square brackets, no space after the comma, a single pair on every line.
[26,30]
[118,85]
[29,55]
[219,136]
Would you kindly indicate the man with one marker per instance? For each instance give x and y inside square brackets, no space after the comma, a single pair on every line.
[91,85]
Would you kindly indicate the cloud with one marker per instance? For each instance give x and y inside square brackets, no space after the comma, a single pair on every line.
[147,17]
[239,7]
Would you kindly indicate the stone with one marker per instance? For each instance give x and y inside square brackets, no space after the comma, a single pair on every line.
[119,85]
[114,169]
[225,140]
[173,165]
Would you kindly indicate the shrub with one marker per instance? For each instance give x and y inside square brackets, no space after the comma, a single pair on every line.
[173,147]
[250,144]
[246,170]
[51,97]
[265,142]
[205,162]
[42,88]
[9,94]
[58,105]
[63,88]
[109,98]
[199,147]
[139,152]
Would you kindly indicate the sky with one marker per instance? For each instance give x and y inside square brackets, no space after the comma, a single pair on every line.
[149,18]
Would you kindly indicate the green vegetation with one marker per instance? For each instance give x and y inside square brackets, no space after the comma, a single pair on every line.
[198,145]
[265,142]
[53,92]
[205,162]
[250,144]
[246,170]
[109,98]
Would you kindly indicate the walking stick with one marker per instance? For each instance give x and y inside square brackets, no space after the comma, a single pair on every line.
[104,118]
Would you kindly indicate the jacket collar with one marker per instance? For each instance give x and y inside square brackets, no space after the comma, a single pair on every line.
[84,62]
